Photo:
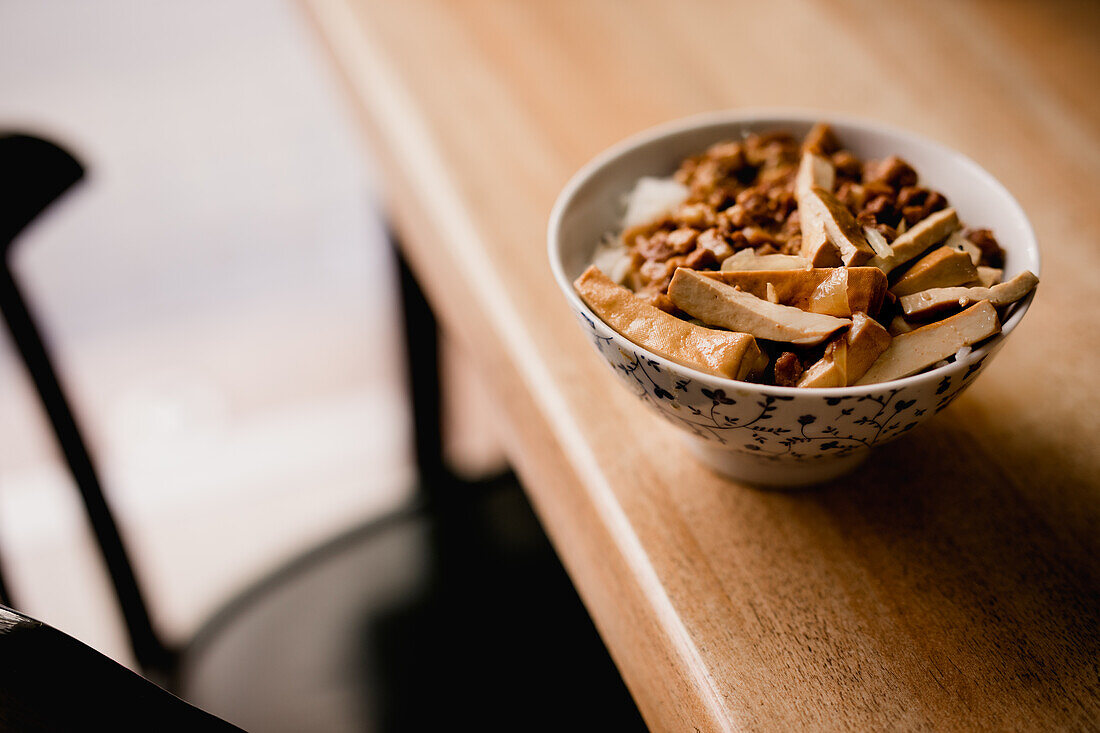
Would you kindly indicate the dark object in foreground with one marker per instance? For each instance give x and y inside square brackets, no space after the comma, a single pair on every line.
[51,682]
[454,615]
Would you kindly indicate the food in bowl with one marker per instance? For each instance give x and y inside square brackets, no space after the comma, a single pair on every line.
[798,264]
[747,429]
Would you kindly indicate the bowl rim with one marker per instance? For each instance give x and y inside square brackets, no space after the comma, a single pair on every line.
[779,115]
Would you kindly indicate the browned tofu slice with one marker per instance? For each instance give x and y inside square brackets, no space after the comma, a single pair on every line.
[849,356]
[989,276]
[944,267]
[814,171]
[931,230]
[822,216]
[826,371]
[834,291]
[939,300]
[848,290]
[816,247]
[911,352]
[821,139]
[717,304]
[723,353]
[866,339]
[961,243]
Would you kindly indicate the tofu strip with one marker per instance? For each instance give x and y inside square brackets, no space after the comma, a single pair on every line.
[944,267]
[931,230]
[936,300]
[911,352]
[718,304]
[824,222]
[860,288]
[849,356]
[814,171]
[722,353]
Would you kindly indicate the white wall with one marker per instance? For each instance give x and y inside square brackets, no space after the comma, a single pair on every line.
[219,294]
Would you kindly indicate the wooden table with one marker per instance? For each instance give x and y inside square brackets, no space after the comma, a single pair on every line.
[952,582]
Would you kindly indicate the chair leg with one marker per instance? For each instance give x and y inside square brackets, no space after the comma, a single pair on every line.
[148,649]
[5,594]
[421,334]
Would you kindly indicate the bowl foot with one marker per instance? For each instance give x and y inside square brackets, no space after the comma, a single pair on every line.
[771,472]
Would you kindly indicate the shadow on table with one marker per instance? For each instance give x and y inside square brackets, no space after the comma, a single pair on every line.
[1001,593]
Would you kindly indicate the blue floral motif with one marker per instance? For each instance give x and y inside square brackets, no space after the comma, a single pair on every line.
[660,393]
[973,368]
[718,396]
[837,426]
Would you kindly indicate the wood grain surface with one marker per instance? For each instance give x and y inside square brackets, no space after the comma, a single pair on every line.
[952,583]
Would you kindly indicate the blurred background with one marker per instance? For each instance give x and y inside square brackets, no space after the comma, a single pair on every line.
[219,294]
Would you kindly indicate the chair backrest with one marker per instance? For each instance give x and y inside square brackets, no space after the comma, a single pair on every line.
[33,174]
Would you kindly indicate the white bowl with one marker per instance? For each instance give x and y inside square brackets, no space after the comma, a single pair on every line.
[761,434]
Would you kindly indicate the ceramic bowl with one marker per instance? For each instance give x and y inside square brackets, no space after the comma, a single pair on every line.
[760,434]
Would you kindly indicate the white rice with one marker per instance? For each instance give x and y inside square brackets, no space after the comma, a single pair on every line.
[612,258]
[652,198]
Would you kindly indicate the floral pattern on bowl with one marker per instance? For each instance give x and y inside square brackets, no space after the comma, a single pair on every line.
[778,427]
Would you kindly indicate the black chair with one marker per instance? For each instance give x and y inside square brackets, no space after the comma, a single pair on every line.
[454,610]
